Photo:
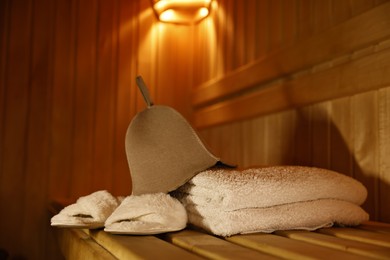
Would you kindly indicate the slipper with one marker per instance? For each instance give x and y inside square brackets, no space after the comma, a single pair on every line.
[88,212]
[147,214]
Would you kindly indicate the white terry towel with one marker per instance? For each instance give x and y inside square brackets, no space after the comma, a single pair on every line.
[307,215]
[147,214]
[227,202]
[270,186]
[90,211]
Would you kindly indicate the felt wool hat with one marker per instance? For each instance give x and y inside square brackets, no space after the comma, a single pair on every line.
[163,150]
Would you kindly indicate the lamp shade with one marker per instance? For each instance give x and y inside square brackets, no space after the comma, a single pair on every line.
[181,11]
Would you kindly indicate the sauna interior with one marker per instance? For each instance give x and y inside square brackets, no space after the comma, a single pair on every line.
[265,82]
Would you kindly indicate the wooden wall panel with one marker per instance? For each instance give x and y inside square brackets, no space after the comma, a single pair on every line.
[61,135]
[253,149]
[36,172]
[341,141]
[15,122]
[4,28]
[278,146]
[261,40]
[84,98]
[384,153]
[346,131]
[320,137]
[67,96]
[366,146]
[302,134]
[124,89]
[349,135]
[104,99]
[355,37]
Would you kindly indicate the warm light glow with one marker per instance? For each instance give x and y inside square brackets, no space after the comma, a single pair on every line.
[182,11]
[203,12]
[167,15]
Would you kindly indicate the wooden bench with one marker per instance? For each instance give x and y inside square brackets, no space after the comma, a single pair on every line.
[369,240]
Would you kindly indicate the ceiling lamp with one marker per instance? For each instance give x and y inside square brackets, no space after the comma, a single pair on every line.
[181,11]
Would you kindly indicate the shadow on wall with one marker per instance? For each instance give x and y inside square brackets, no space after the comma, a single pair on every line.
[318,142]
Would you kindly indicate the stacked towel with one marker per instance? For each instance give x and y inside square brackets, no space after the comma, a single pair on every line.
[227,202]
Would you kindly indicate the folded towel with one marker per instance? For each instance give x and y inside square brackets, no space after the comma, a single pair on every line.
[90,211]
[307,215]
[147,214]
[270,186]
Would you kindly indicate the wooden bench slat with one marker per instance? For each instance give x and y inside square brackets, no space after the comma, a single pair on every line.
[375,226]
[76,244]
[368,240]
[342,244]
[139,247]
[212,247]
[364,236]
[289,248]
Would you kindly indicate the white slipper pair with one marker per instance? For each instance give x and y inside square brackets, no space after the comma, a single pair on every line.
[139,215]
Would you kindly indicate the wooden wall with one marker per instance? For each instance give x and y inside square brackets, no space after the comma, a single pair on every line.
[245,75]
[67,95]
[299,82]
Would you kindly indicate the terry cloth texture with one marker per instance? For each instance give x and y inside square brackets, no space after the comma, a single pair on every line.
[147,214]
[227,202]
[90,211]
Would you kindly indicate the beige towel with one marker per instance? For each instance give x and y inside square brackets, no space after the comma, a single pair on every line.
[89,211]
[270,186]
[227,202]
[307,215]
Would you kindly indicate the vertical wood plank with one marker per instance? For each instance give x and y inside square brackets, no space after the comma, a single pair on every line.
[279,138]
[105,96]
[287,127]
[366,147]
[304,16]
[360,6]
[275,28]
[322,15]
[34,186]
[125,105]
[84,98]
[239,34]
[222,27]
[4,42]
[341,142]
[205,50]
[232,140]
[289,20]
[208,53]
[303,135]
[262,28]
[61,138]
[14,136]
[165,92]
[229,36]
[225,142]
[384,154]
[341,11]
[253,142]
[148,33]
[321,135]
[250,17]
[212,28]
[173,66]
